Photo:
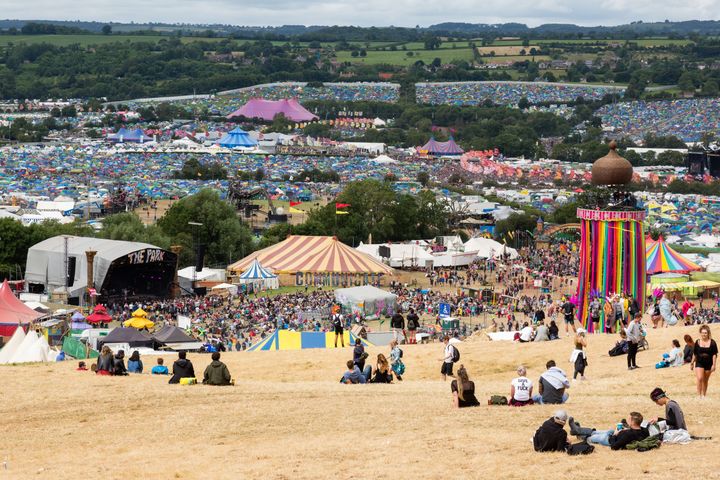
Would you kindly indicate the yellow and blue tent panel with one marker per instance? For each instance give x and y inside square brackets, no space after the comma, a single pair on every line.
[288,340]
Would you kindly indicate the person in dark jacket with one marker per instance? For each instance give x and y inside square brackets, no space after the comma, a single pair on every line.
[358,354]
[621,437]
[551,436]
[182,368]
[217,372]
[119,363]
[413,322]
[135,365]
[105,362]
[397,324]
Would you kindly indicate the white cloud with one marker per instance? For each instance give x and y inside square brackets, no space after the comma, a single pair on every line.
[365,13]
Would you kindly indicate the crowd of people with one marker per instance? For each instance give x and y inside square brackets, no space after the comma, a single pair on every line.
[687,119]
[506,93]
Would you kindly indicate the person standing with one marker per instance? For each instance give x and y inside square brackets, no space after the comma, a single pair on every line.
[359,354]
[634,336]
[397,323]
[448,359]
[413,323]
[396,363]
[704,360]
[337,323]
[568,310]
[594,310]
[578,357]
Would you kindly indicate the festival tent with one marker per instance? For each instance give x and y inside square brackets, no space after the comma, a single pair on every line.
[289,340]
[33,348]
[300,253]
[237,138]
[99,315]
[13,312]
[139,320]
[175,338]
[227,287]
[369,301]
[130,336]
[433,147]
[12,345]
[661,258]
[267,110]
[258,275]
[126,135]
[401,254]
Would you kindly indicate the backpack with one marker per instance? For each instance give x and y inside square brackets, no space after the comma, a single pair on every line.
[645,444]
[581,448]
[456,355]
[401,352]
[498,400]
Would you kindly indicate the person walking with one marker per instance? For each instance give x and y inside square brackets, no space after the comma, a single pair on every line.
[448,359]
[578,357]
[337,323]
[413,322]
[396,363]
[397,323]
[634,336]
[704,360]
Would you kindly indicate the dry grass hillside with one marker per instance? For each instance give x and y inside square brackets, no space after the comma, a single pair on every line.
[287,417]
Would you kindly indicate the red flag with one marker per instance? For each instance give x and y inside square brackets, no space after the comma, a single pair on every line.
[341,205]
[292,204]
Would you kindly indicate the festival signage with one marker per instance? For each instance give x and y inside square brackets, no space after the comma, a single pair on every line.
[336,279]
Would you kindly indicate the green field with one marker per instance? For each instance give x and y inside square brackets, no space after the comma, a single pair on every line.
[400,57]
[85,40]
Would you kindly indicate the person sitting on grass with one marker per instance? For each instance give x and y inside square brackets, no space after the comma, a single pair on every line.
[81,367]
[617,439]
[217,372]
[552,385]
[182,368]
[160,368]
[105,361]
[119,363]
[521,389]
[551,436]
[135,365]
[463,390]
[674,417]
[354,375]
[382,370]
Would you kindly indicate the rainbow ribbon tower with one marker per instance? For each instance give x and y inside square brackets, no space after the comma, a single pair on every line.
[612,244]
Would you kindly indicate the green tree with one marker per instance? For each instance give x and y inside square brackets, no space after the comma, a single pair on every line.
[128,226]
[423,178]
[106,30]
[506,230]
[222,233]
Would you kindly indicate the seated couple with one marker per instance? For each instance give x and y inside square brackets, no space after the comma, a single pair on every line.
[356,374]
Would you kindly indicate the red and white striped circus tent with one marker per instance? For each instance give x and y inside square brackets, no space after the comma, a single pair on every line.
[300,253]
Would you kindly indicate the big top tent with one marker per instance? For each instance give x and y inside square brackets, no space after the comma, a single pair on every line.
[299,253]
[237,138]
[661,259]
[267,110]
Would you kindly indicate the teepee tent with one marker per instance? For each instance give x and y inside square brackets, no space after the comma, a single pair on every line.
[30,350]
[661,258]
[12,345]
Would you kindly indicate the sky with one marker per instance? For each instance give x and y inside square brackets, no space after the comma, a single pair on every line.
[407,13]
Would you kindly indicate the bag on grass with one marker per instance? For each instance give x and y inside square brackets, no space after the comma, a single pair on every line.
[645,444]
[498,400]
[582,448]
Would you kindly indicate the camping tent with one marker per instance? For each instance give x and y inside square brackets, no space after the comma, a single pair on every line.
[288,340]
[259,276]
[175,338]
[299,253]
[227,287]
[661,258]
[369,301]
[267,110]
[237,138]
[433,147]
[33,348]
[131,336]
[12,345]
[13,312]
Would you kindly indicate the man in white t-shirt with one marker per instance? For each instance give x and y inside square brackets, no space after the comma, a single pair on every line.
[521,389]
[526,333]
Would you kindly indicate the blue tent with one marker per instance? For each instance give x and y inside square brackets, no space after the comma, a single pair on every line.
[237,138]
[259,276]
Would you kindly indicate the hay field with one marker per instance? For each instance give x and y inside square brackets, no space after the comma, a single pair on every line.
[503,50]
[287,417]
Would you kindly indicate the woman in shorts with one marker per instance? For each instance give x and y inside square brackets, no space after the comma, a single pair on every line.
[704,360]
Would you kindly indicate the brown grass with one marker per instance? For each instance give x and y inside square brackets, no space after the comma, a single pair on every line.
[287,417]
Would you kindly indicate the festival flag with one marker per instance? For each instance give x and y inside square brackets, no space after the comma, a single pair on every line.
[341,205]
[293,204]
[338,212]
[296,210]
